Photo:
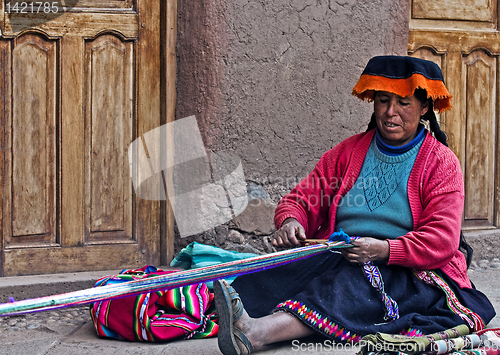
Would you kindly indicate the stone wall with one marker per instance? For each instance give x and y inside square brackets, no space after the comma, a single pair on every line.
[271,81]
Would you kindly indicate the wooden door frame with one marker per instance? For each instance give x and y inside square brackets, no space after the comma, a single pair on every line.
[168,93]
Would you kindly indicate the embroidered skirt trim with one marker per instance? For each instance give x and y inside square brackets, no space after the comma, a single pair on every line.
[319,322]
[472,319]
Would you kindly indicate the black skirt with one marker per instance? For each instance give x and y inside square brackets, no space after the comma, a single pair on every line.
[334,297]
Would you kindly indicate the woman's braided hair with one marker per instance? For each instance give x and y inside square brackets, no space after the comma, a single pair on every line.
[430,117]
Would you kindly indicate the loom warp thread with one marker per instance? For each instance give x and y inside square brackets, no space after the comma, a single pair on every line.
[162,282]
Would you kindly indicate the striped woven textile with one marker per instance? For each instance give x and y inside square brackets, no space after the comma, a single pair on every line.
[179,313]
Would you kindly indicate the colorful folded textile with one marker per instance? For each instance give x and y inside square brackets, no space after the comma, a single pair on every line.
[495,331]
[478,351]
[490,343]
[178,313]
[382,343]
[490,340]
[446,346]
[454,341]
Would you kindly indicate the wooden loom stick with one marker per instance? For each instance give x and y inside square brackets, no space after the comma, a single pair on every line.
[168,281]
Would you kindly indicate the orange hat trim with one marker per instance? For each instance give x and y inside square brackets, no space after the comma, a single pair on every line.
[436,90]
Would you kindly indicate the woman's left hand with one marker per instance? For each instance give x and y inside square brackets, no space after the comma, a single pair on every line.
[367,249]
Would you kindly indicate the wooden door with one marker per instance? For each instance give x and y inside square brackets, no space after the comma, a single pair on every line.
[463,38]
[77,88]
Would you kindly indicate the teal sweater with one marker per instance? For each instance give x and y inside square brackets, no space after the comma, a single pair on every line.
[377,205]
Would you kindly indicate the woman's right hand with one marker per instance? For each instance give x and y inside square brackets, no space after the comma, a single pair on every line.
[290,234]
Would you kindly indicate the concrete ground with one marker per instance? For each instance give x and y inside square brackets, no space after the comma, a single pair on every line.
[70,330]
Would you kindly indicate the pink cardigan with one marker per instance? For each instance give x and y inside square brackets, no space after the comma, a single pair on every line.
[435,193]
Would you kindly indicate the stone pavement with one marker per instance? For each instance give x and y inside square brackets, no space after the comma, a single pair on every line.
[70,330]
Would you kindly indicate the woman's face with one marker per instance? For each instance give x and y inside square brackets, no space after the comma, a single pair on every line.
[397,117]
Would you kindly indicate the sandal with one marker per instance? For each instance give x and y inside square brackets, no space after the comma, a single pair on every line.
[231,340]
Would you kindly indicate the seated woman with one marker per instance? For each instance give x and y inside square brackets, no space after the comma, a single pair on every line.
[400,189]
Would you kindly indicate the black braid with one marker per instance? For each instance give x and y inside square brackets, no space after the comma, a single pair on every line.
[466,249]
[373,123]
[434,125]
[430,116]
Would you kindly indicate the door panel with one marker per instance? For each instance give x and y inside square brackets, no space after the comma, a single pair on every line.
[81,88]
[34,79]
[109,78]
[479,86]
[469,61]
